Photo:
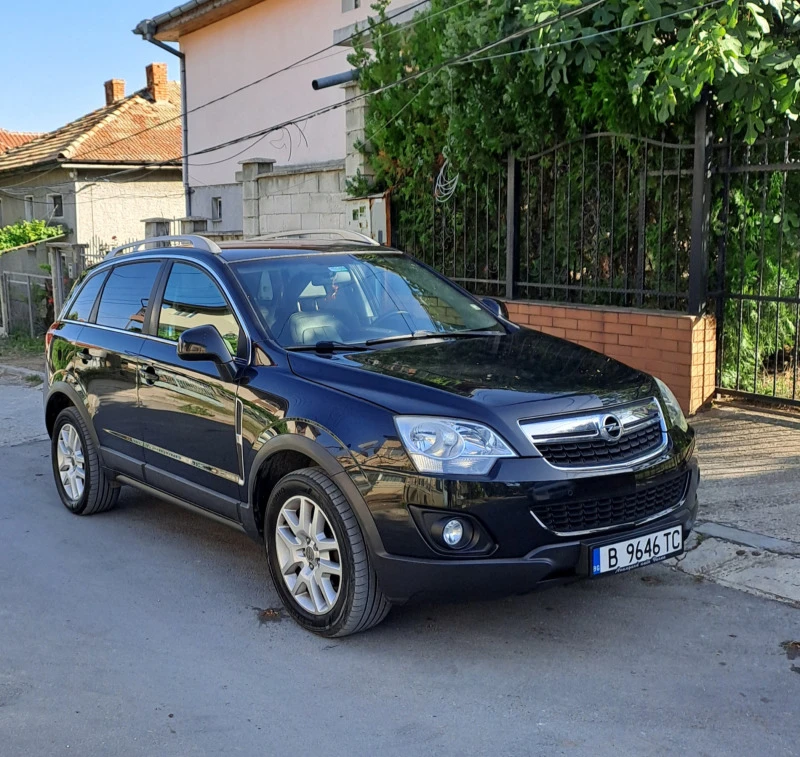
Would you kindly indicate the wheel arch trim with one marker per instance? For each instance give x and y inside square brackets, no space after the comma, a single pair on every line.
[69,391]
[325,460]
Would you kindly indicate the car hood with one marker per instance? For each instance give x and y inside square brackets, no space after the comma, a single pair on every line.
[448,375]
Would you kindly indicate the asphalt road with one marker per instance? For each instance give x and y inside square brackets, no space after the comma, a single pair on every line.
[137,632]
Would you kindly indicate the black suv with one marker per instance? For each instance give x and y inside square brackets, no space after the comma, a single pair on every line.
[386,434]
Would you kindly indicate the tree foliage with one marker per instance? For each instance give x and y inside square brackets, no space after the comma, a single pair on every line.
[26,232]
[633,66]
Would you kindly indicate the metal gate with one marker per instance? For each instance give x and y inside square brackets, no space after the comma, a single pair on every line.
[755,228]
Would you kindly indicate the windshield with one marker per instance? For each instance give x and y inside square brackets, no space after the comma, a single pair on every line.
[355,298]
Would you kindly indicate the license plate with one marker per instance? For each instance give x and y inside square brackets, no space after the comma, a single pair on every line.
[633,553]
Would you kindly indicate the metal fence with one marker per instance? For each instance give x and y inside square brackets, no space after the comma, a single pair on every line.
[26,303]
[601,220]
[711,225]
[756,274]
[463,234]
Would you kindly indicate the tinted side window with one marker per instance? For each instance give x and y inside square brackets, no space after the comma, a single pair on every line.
[125,296]
[192,298]
[81,306]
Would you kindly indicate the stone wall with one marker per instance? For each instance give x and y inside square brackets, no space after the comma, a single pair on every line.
[679,349]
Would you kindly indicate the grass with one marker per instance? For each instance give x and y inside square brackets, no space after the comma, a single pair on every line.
[33,380]
[20,345]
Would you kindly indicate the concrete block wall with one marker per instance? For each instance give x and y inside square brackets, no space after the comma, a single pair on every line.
[679,349]
[303,197]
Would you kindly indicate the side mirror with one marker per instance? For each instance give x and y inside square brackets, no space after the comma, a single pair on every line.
[206,343]
[495,307]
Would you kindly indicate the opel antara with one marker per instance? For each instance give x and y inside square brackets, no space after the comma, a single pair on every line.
[384,434]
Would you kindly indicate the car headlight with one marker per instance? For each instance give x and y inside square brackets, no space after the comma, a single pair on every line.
[445,445]
[673,407]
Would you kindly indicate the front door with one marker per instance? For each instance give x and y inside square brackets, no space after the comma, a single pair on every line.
[189,413]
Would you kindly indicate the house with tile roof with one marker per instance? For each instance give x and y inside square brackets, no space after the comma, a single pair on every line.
[12,139]
[101,175]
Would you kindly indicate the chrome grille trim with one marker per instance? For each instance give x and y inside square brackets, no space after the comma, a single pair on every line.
[591,426]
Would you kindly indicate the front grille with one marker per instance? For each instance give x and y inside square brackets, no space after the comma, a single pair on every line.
[632,445]
[607,512]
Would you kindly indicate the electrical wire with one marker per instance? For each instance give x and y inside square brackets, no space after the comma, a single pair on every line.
[308,59]
[377,90]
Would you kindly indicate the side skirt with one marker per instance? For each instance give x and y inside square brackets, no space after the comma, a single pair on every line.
[123,479]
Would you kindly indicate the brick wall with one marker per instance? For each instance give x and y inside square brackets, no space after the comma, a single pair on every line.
[678,349]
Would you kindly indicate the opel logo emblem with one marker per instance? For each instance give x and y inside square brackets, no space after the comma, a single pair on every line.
[611,430]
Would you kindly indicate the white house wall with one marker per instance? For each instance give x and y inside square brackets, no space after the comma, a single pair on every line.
[252,44]
[110,213]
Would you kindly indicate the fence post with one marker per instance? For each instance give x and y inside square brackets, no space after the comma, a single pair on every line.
[57,275]
[512,225]
[698,257]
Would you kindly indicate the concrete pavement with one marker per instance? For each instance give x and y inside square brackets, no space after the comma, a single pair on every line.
[142,632]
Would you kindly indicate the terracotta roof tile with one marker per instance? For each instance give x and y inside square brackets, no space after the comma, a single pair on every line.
[110,135]
[11,139]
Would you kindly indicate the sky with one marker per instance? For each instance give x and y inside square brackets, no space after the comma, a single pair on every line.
[56,54]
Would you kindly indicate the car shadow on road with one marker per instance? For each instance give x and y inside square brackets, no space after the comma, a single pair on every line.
[572,613]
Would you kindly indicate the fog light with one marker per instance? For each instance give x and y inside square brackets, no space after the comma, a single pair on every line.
[453,533]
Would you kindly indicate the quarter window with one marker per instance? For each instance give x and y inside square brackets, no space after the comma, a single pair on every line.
[124,300]
[80,309]
[191,299]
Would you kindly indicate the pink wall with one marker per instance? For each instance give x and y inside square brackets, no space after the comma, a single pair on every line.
[252,44]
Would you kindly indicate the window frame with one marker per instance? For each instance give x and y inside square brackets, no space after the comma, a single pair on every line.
[29,209]
[63,316]
[51,201]
[216,209]
[148,310]
[151,321]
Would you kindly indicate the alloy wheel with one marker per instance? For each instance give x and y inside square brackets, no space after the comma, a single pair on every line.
[71,463]
[308,555]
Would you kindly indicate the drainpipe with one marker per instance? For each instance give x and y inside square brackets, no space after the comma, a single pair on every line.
[147,29]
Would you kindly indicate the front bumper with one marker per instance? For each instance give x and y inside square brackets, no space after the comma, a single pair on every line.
[525,554]
[406,578]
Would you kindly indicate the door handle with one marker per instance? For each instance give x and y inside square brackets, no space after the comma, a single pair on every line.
[149,375]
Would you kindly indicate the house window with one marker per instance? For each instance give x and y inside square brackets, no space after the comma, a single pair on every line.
[56,206]
[28,207]
[349,5]
[216,208]
[1,213]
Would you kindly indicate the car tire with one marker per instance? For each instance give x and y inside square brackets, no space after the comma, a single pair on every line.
[82,484]
[306,516]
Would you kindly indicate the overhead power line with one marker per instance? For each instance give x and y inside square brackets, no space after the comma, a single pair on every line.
[311,58]
[405,80]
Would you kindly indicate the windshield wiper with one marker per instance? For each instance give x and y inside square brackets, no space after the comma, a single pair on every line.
[431,335]
[328,346]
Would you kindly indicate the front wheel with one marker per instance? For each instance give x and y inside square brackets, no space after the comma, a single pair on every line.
[318,559]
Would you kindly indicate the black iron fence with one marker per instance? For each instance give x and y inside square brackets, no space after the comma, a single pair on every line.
[601,220]
[620,220]
[756,282]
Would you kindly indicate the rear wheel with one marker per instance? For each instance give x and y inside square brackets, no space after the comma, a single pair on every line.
[317,557]
[81,482]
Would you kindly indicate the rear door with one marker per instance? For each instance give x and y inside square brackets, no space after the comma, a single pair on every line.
[108,361]
[190,413]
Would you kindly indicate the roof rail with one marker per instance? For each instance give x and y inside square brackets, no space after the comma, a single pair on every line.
[341,234]
[185,240]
